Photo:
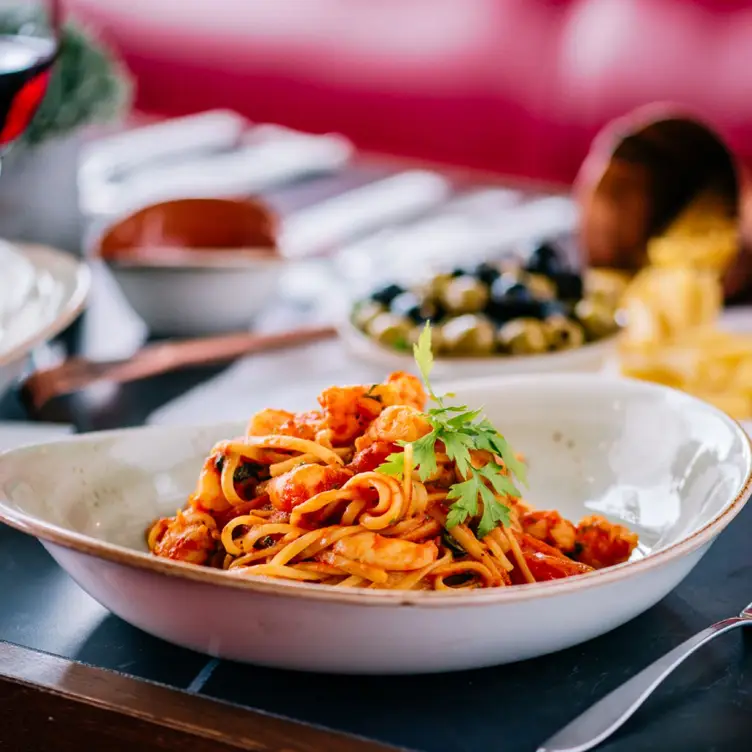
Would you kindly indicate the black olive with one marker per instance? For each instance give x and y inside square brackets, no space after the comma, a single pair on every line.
[545,259]
[568,285]
[386,295]
[486,272]
[554,308]
[408,304]
[457,272]
[511,299]
[506,309]
[509,286]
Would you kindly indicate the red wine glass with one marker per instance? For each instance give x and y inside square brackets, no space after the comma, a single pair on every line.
[26,60]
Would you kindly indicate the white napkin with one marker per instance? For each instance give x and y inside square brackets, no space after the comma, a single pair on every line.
[14,434]
[287,380]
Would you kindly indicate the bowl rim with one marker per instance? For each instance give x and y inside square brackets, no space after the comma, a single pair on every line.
[224,259]
[47,257]
[49,533]
[354,338]
[232,260]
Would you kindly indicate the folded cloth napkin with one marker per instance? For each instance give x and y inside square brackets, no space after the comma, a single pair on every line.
[288,380]
[18,433]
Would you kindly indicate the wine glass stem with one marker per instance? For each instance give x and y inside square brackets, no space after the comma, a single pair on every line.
[56,17]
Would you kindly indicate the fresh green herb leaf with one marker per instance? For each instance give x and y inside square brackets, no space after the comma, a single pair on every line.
[461,431]
[494,514]
[424,355]
[424,455]
[464,418]
[491,440]
[394,465]
[466,495]
[500,482]
[457,515]
[457,446]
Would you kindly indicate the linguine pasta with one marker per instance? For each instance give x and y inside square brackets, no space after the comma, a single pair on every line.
[349,496]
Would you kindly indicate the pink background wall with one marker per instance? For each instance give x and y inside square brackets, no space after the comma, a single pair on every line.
[517,86]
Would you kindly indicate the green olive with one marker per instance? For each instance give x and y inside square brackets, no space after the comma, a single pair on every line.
[540,286]
[464,294]
[513,266]
[563,333]
[437,338]
[434,288]
[390,330]
[606,285]
[523,336]
[596,316]
[468,335]
[365,312]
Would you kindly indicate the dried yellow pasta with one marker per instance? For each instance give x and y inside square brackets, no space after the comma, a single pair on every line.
[672,310]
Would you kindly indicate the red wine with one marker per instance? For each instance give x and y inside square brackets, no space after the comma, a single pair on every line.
[25,64]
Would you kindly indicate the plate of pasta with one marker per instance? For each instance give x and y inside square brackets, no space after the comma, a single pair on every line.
[393,529]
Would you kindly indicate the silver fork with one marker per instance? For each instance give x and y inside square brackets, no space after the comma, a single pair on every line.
[601,720]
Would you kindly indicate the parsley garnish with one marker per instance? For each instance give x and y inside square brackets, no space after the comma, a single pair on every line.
[462,430]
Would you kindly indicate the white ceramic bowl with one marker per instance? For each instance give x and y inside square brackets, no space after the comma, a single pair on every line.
[194,266]
[588,358]
[672,468]
[55,285]
[199,300]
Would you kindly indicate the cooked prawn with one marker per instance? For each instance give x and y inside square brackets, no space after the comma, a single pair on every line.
[404,389]
[348,410]
[185,538]
[391,554]
[304,481]
[601,543]
[368,459]
[208,493]
[281,422]
[395,423]
[550,527]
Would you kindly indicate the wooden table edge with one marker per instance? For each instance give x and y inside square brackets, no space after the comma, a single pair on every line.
[105,703]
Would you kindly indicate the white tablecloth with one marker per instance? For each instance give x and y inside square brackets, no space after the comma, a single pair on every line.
[292,379]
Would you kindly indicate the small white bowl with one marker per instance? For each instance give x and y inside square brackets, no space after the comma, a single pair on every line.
[590,357]
[672,468]
[195,266]
[202,299]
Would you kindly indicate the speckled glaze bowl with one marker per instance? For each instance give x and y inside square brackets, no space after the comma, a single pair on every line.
[672,468]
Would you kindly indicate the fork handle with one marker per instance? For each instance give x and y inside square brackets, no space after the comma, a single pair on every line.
[77,373]
[607,715]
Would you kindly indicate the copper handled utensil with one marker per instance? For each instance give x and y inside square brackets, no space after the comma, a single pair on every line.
[77,373]
[608,715]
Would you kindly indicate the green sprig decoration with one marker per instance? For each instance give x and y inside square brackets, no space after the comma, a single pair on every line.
[88,83]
